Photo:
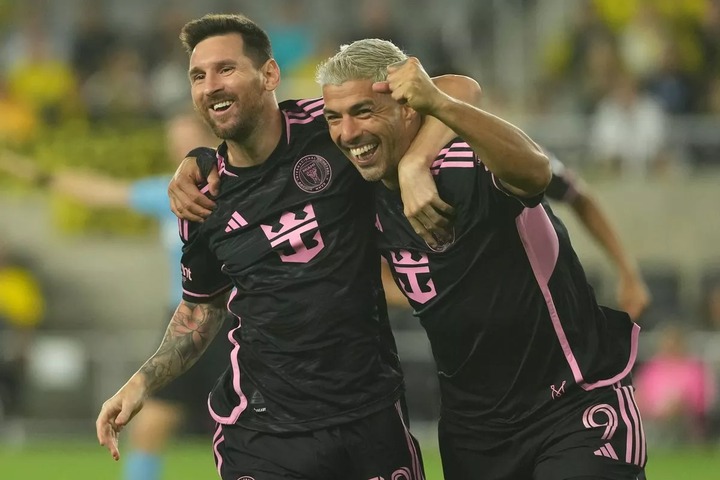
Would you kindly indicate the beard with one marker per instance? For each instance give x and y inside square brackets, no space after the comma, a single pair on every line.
[236,131]
[371,174]
[240,126]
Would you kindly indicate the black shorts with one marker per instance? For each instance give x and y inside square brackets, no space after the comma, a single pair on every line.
[599,435]
[191,389]
[374,447]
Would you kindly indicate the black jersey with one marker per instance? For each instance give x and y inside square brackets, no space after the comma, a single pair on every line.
[293,239]
[512,322]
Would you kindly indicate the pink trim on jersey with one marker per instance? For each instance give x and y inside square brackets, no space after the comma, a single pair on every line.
[628,425]
[287,127]
[542,248]
[306,116]
[222,170]
[240,407]
[416,467]
[310,103]
[636,432]
[447,158]
[300,120]
[635,445]
[454,164]
[204,295]
[452,149]
[184,229]
[218,438]
[460,153]
[640,428]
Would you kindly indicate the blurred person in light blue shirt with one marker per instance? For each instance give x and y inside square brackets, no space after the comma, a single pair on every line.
[167,412]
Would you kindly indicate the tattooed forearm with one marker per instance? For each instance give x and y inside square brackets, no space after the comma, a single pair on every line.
[191,329]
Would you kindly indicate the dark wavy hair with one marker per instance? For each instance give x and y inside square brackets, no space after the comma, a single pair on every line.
[256,41]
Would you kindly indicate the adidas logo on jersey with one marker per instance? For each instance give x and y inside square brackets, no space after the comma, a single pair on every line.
[606,450]
[236,221]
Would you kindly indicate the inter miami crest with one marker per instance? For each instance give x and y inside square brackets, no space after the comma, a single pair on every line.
[312,173]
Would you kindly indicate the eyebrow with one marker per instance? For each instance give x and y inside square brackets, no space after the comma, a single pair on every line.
[225,61]
[353,109]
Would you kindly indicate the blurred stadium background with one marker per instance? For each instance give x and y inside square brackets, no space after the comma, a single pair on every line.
[625,92]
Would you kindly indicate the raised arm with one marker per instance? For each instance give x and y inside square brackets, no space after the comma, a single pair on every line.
[191,329]
[428,214]
[91,189]
[517,161]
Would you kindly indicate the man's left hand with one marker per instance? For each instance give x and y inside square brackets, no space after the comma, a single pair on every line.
[429,215]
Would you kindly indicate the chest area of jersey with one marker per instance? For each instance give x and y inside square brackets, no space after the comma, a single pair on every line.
[291,215]
[423,271]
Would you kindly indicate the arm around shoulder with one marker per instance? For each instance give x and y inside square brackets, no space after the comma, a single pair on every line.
[508,152]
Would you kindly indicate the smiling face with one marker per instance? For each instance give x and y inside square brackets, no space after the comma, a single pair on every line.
[371,129]
[227,89]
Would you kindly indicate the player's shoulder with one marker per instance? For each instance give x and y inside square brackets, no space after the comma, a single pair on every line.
[303,118]
[457,154]
[310,107]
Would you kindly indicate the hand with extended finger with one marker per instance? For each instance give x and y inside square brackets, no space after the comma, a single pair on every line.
[409,83]
[116,412]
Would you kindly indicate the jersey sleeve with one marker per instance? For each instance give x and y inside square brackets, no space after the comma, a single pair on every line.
[202,275]
[528,202]
[149,196]
[205,158]
[465,180]
[304,111]
[563,185]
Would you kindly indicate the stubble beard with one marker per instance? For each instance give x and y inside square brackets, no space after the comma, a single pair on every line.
[241,127]
[237,131]
[371,174]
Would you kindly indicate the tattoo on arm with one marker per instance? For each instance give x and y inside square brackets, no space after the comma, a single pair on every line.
[191,329]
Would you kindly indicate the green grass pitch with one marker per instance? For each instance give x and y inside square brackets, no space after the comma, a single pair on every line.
[192,460]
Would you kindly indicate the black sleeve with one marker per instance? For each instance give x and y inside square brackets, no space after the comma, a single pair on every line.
[562,187]
[202,275]
[206,159]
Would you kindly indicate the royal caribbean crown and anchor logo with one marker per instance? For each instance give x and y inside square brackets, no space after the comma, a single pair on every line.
[312,173]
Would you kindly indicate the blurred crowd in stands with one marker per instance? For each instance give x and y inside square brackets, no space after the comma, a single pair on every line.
[634,66]
[631,65]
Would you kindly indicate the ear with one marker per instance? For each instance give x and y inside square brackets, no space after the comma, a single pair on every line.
[409,115]
[271,74]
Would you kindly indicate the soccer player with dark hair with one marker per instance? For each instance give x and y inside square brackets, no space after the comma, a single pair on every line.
[534,375]
[313,386]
